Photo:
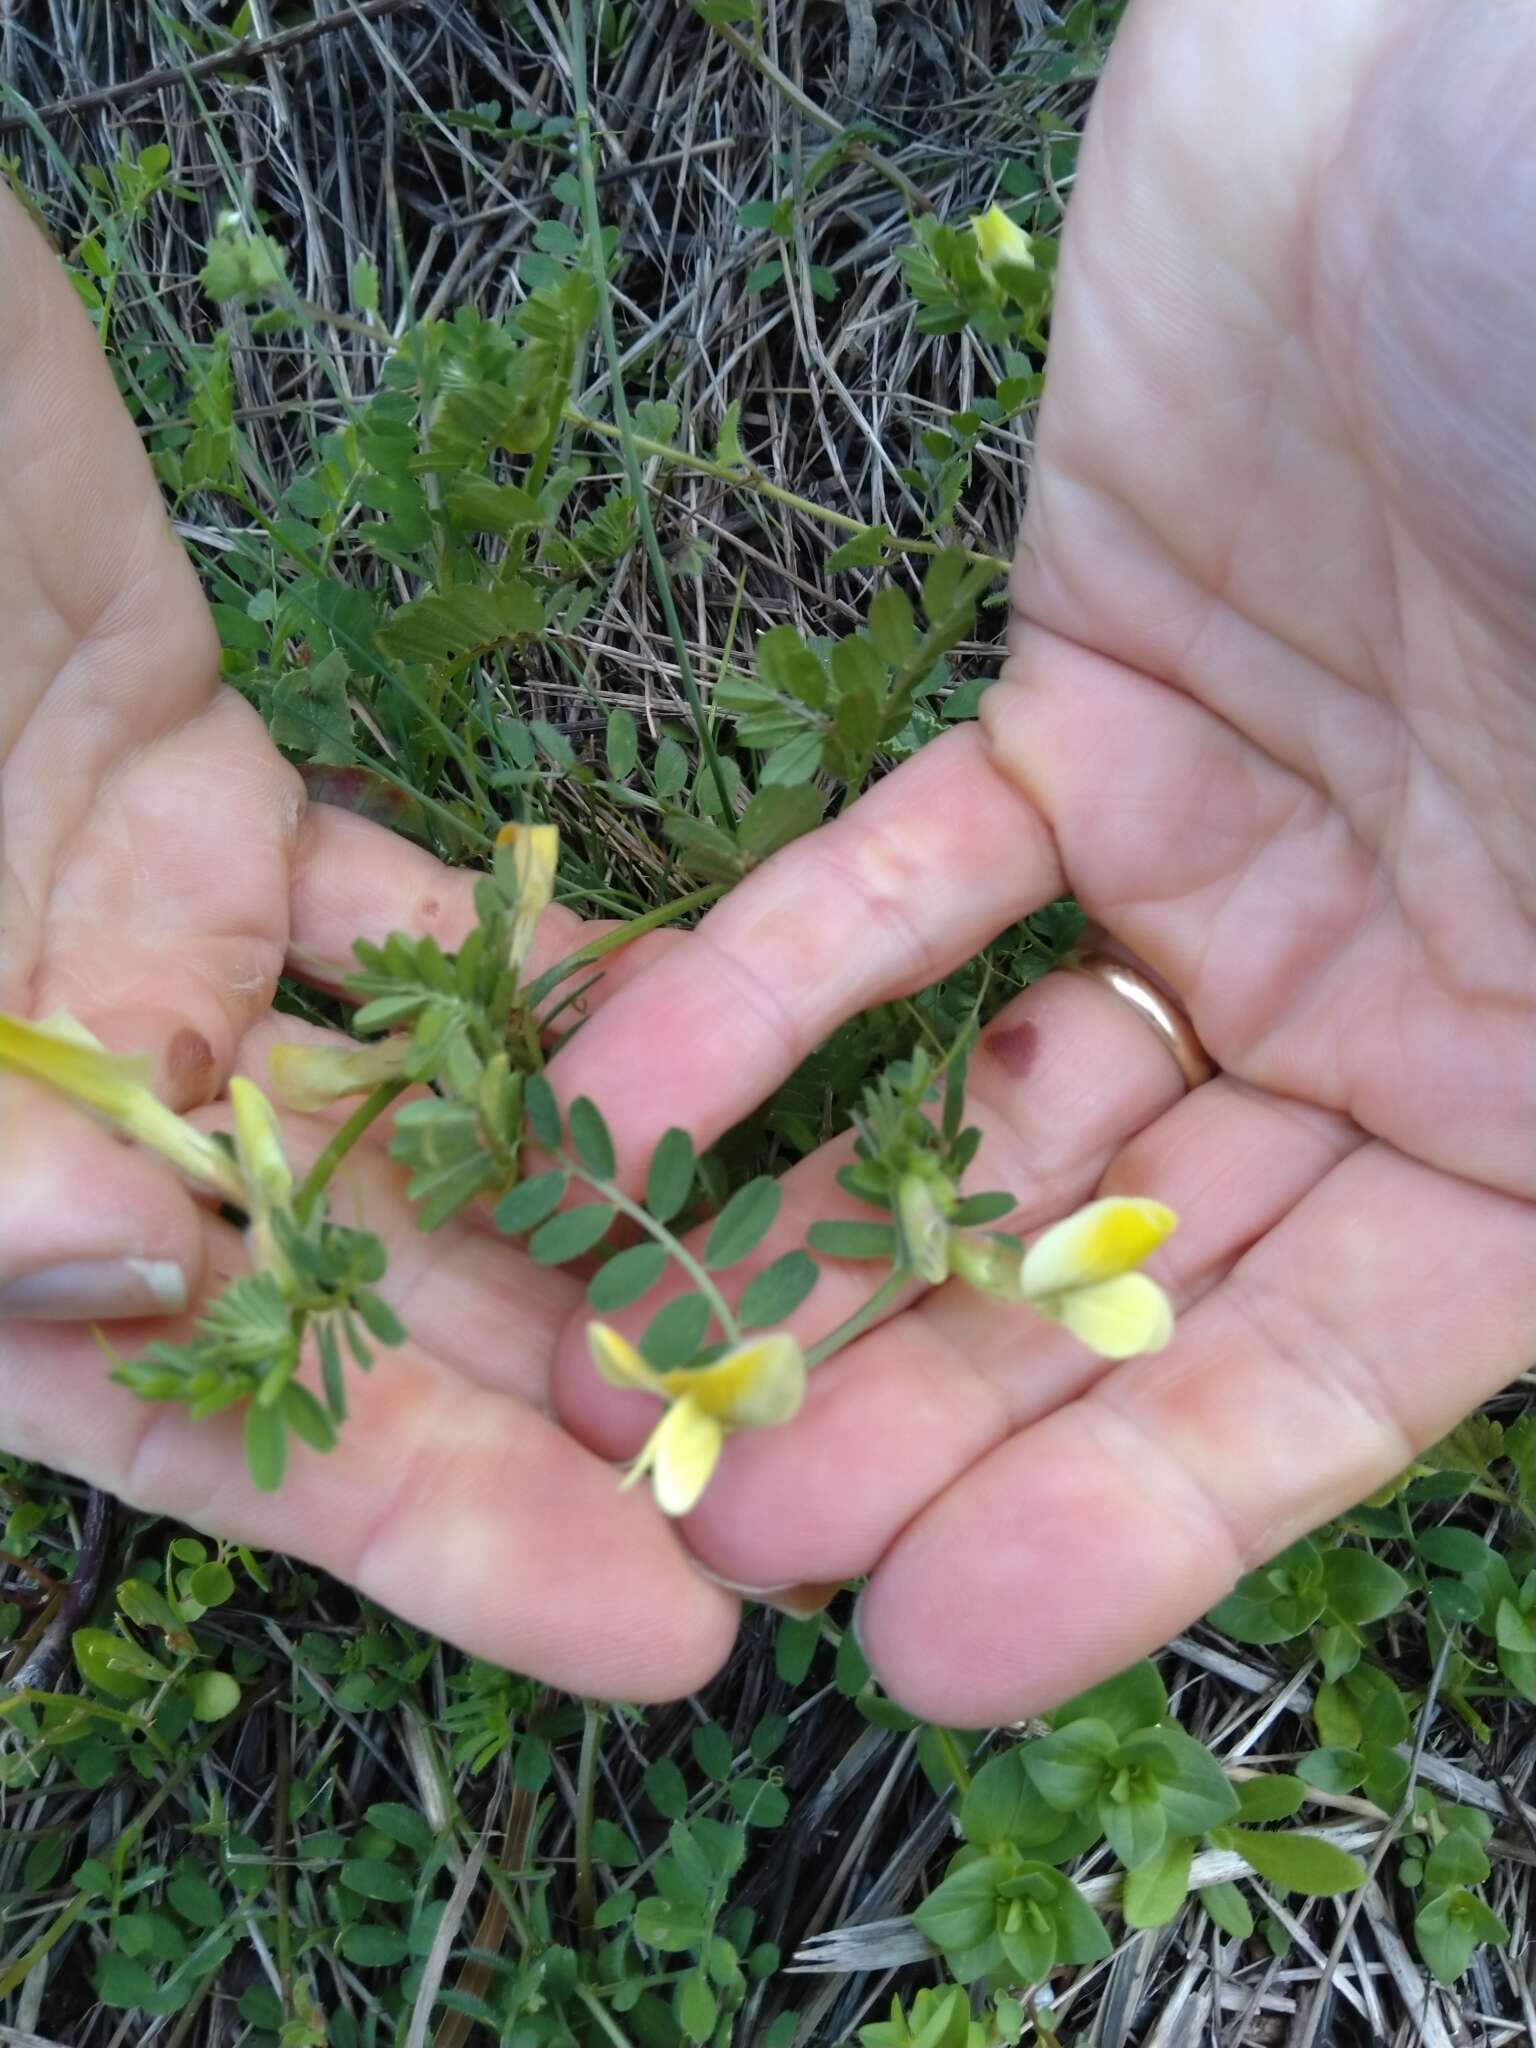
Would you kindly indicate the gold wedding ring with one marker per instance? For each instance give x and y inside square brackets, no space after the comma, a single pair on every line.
[1173,1028]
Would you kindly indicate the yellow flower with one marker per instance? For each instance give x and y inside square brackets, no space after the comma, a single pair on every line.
[535,850]
[1081,1273]
[265,1170]
[64,1056]
[314,1076]
[259,1147]
[1001,242]
[756,1386]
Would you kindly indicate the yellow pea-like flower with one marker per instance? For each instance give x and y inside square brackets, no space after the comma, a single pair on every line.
[535,851]
[64,1056]
[1081,1273]
[1002,243]
[259,1147]
[264,1169]
[312,1077]
[756,1386]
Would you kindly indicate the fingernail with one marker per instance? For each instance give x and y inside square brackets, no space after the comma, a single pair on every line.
[79,1290]
[801,1601]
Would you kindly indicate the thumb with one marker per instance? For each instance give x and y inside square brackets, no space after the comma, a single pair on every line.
[90,1228]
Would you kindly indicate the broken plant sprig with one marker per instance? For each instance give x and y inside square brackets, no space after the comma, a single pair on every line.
[469,1033]
[311,1278]
[706,1361]
[1082,1272]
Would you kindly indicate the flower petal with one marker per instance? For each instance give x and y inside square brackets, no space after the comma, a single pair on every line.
[1105,1238]
[63,1055]
[259,1147]
[1118,1318]
[684,1449]
[535,851]
[756,1386]
[924,1227]
[1002,240]
[620,1363]
[312,1077]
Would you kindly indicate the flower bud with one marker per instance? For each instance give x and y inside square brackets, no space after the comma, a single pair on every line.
[1001,243]
[311,1077]
[259,1149]
[921,1210]
[535,852]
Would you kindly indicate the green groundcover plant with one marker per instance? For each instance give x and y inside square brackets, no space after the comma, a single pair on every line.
[462,519]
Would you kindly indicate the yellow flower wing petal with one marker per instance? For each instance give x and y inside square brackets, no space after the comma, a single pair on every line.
[1002,240]
[1118,1318]
[312,1077]
[535,852]
[63,1055]
[756,1386]
[1106,1238]
[684,1449]
[259,1145]
[619,1362]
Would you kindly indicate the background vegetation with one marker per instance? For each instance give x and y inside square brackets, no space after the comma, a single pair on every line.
[339,274]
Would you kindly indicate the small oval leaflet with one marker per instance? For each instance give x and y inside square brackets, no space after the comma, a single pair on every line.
[743,1223]
[775,1293]
[626,1276]
[570,1234]
[531,1202]
[670,1180]
[591,1138]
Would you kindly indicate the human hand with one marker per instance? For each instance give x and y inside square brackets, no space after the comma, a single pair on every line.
[1269,696]
[151,837]
[159,865]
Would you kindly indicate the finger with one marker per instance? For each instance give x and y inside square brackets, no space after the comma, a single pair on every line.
[90,1228]
[353,879]
[127,773]
[1307,968]
[905,1412]
[154,937]
[460,1510]
[915,878]
[1358,1330]
[1059,1080]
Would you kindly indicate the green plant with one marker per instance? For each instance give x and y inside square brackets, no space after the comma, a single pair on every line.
[1114,1767]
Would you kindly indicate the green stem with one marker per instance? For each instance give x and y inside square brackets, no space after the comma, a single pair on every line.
[941,634]
[601,2014]
[23,1966]
[673,1246]
[610,942]
[248,505]
[754,479]
[949,1749]
[586,1807]
[885,1296]
[592,222]
[761,61]
[341,1143]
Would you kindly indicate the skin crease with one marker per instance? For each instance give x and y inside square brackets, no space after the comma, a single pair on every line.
[1267,710]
